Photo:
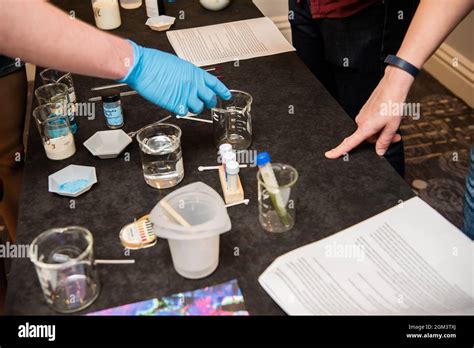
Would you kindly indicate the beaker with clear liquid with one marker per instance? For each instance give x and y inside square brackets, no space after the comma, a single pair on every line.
[232,121]
[162,159]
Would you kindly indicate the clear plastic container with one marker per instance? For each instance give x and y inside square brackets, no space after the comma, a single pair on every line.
[194,249]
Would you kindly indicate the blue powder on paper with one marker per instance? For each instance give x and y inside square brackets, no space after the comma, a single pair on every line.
[74,186]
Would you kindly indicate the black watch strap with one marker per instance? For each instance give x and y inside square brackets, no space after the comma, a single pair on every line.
[402,64]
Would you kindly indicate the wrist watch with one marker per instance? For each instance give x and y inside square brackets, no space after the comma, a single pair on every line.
[402,64]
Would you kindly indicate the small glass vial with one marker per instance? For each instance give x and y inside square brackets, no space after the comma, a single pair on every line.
[113,109]
[232,176]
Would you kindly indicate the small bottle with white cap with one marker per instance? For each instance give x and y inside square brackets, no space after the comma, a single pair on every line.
[232,175]
[223,148]
[226,158]
[229,175]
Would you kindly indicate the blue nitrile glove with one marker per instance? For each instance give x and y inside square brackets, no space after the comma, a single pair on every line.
[173,83]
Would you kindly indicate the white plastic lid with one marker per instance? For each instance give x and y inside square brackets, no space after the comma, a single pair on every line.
[224,148]
[229,157]
[232,168]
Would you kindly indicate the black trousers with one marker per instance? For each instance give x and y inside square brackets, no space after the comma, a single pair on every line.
[347,54]
[13,95]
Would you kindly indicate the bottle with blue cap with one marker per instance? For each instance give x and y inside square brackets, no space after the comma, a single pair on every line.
[271,184]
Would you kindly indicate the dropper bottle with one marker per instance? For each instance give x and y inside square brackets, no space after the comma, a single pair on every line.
[271,184]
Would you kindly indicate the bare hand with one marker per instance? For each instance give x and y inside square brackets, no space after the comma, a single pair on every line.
[376,121]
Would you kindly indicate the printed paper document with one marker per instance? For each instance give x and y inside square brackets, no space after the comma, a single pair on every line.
[406,260]
[227,42]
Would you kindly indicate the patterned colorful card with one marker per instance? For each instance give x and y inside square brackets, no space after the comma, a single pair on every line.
[222,299]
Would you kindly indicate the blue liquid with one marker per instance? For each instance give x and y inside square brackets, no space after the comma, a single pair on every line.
[74,186]
[58,128]
[73,124]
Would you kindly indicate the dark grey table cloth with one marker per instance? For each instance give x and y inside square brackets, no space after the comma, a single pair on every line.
[332,195]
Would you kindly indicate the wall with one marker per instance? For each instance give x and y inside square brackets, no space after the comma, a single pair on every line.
[277,10]
[461,39]
[453,62]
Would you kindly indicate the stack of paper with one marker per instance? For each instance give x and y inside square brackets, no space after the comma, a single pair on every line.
[226,42]
[406,260]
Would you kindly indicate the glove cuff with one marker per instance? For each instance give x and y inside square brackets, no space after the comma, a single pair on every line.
[137,53]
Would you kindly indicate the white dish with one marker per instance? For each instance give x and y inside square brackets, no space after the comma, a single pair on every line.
[160,23]
[214,5]
[72,181]
[108,144]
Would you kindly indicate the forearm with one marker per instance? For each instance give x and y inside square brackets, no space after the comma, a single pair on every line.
[39,33]
[433,22]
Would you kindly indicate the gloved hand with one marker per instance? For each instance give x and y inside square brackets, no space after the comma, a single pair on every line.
[173,83]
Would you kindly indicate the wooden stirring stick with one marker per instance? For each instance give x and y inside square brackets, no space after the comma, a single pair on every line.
[170,210]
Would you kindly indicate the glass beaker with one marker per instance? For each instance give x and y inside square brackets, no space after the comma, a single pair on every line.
[162,159]
[57,93]
[64,262]
[277,205]
[52,93]
[55,131]
[232,121]
[56,76]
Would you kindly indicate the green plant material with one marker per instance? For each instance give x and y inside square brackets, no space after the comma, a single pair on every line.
[281,211]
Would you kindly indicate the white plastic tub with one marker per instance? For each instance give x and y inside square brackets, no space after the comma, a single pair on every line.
[194,249]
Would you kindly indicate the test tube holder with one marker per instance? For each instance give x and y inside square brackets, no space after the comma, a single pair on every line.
[229,196]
